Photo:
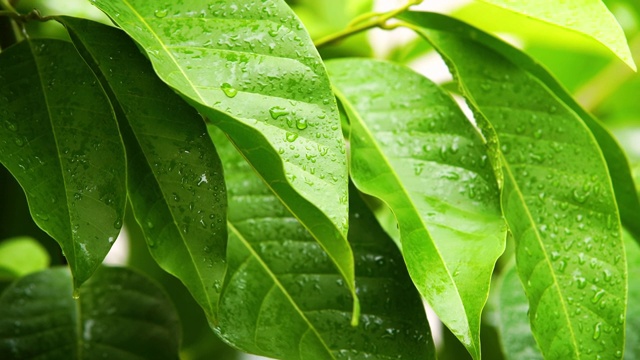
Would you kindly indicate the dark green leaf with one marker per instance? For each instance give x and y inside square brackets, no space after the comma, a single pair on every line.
[617,163]
[250,67]
[175,177]
[20,256]
[61,142]
[119,315]
[412,147]
[515,333]
[284,299]
[557,198]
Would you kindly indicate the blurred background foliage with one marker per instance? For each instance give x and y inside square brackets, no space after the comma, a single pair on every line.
[601,82]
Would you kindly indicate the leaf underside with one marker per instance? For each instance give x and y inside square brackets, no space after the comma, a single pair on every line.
[284,299]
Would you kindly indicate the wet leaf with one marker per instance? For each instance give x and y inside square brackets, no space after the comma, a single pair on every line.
[413,148]
[515,332]
[588,17]
[250,67]
[60,140]
[20,256]
[558,201]
[119,315]
[284,299]
[617,162]
[632,344]
[175,177]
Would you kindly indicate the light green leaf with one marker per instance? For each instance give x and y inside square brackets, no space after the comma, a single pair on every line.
[284,299]
[588,17]
[20,256]
[617,163]
[119,315]
[61,142]
[412,147]
[250,67]
[175,177]
[632,344]
[515,332]
[558,201]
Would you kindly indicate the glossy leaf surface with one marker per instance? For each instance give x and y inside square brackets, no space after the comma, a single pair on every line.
[558,201]
[59,139]
[20,256]
[589,17]
[413,148]
[175,177]
[632,344]
[617,163]
[251,69]
[119,315]
[284,299]
[517,340]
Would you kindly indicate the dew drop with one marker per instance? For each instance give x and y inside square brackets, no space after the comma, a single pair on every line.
[291,137]
[76,294]
[301,124]
[277,112]
[597,296]
[19,142]
[582,282]
[10,126]
[118,223]
[160,13]
[229,90]
[597,331]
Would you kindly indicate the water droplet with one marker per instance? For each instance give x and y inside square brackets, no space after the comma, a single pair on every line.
[301,124]
[19,142]
[597,331]
[76,294]
[160,13]
[229,90]
[149,224]
[580,196]
[597,296]
[291,137]
[11,126]
[277,112]
[118,223]
[582,282]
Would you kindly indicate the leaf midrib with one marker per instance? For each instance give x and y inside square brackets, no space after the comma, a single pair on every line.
[347,104]
[59,157]
[277,282]
[547,261]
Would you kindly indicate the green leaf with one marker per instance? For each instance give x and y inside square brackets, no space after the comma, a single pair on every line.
[20,256]
[588,17]
[515,333]
[632,344]
[175,176]
[284,299]
[119,314]
[617,163]
[250,67]
[558,201]
[61,142]
[413,148]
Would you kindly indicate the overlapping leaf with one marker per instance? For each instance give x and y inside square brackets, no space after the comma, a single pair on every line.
[284,299]
[250,67]
[60,140]
[175,176]
[617,163]
[588,17]
[558,201]
[413,148]
[119,315]
[516,338]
